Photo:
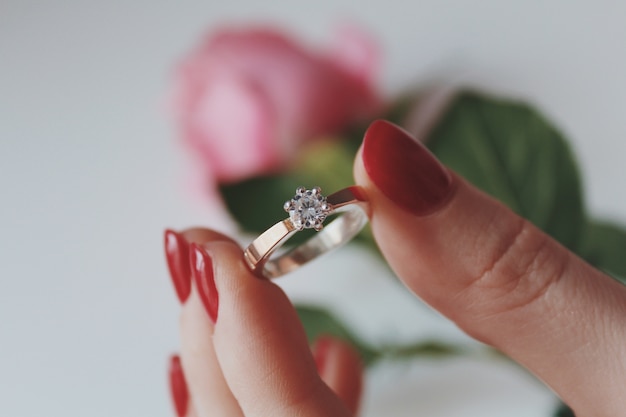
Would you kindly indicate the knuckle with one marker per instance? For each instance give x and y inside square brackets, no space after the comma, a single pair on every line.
[517,277]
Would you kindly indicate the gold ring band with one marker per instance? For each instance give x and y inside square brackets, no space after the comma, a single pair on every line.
[308,209]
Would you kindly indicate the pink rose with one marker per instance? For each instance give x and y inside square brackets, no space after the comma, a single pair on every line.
[247,98]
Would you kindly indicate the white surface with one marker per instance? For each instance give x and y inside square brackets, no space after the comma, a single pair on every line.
[90,174]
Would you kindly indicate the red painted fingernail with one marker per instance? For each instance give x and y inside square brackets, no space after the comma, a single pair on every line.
[202,271]
[178,386]
[177,254]
[320,352]
[404,170]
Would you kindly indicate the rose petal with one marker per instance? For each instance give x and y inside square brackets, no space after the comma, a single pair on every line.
[235,124]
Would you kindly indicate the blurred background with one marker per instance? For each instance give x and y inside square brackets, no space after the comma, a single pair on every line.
[91,172]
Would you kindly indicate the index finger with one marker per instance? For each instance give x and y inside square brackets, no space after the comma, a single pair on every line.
[497,276]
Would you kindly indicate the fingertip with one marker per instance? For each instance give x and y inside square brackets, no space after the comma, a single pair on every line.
[178,246]
[177,254]
[204,278]
[178,386]
[203,235]
[404,170]
[341,368]
[320,352]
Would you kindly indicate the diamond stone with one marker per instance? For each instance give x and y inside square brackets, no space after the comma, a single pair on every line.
[307,209]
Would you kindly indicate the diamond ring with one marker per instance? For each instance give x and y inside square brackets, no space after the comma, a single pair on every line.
[307,210]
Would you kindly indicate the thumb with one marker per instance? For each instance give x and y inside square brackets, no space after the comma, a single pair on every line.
[259,341]
[496,275]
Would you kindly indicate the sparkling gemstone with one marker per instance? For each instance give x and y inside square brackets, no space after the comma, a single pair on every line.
[307,209]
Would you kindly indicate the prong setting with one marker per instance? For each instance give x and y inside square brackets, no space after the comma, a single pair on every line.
[308,209]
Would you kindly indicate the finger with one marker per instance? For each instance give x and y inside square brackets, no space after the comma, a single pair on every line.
[259,341]
[205,381]
[498,277]
[178,387]
[177,256]
[207,386]
[341,369]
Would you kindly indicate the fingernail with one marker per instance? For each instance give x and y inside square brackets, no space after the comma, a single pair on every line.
[177,254]
[178,386]
[320,352]
[202,271]
[404,170]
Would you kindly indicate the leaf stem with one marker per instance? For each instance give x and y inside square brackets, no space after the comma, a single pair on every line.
[433,349]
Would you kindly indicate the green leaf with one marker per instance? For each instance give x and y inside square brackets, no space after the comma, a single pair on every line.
[510,151]
[257,203]
[564,411]
[318,322]
[429,348]
[604,246]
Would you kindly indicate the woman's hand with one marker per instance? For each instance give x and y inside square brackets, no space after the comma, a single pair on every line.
[244,352]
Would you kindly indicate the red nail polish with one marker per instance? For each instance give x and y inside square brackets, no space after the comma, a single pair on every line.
[177,253]
[202,271]
[178,386]
[320,352]
[404,170]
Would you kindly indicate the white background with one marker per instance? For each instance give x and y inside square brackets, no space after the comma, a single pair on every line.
[91,173]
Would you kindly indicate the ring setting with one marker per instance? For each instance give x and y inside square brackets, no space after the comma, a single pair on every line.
[308,209]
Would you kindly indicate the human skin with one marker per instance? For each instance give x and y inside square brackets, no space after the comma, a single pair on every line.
[500,279]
